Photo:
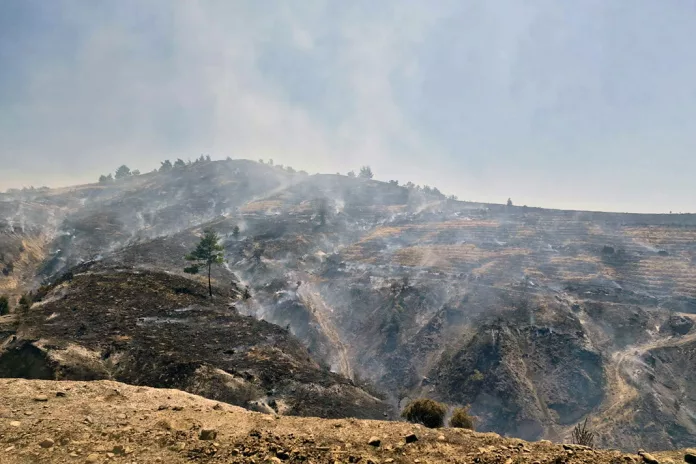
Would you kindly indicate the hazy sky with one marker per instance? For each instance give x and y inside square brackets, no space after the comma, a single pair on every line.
[571,104]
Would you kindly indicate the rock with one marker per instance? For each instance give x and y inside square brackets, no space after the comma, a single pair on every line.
[281,454]
[41,398]
[217,407]
[389,460]
[374,441]
[47,443]
[61,394]
[162,407]
[121,416]
[120,450]
[64,441]
[9,448]
[94,457]
[15,424]
[110,455]
[208,434]
[410,438]
[178,408]
[649,458]
[441,438]
[73,455]
[690,458]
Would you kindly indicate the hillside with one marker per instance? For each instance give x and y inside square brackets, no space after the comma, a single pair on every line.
[104,421]
[537,318]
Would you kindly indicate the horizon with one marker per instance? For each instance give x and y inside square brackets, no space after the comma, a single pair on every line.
[11,190]
[585,107]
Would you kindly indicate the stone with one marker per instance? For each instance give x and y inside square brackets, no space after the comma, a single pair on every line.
[15,424]
[282,454]
[121,416]
[374,441]
[61,394]
[47,443]
[41,398]
[690,458]
[441,438]
[208,434]
[649,458]
[178,408]
[94,457]
[411,438]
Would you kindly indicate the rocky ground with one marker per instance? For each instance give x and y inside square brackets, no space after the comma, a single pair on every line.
[104,421]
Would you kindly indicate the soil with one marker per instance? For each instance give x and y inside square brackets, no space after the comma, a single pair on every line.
[110,422]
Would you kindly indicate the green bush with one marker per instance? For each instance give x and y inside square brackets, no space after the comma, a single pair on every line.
[425,411]
[461,419]
[4,305]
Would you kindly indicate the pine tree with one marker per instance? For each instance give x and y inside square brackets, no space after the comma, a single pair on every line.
[123,172]
[207,252]
[365,172]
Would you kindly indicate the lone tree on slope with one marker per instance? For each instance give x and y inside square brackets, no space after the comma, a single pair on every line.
[207,252]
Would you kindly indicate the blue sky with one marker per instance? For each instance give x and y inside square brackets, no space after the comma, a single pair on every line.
[582,105]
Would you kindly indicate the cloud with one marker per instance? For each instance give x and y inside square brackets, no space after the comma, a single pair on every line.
[483,99]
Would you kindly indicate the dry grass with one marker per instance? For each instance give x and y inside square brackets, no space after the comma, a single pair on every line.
[449,256]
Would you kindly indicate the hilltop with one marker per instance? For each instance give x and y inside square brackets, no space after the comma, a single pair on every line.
[537,318]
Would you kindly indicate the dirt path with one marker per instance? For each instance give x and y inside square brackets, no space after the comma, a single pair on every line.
[625,364]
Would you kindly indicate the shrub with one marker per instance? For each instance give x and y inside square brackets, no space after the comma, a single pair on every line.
[583,434]
[4,305]
[425,411]
[462,419]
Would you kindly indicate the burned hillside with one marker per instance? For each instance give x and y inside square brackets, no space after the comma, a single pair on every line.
[537,318]
[157,329]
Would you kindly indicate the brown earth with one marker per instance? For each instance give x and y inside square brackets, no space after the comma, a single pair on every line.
[105,421]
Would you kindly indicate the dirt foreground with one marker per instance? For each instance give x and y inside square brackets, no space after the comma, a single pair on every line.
[104,422]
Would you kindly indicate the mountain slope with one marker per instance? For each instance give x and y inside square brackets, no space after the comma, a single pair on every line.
[538,318]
